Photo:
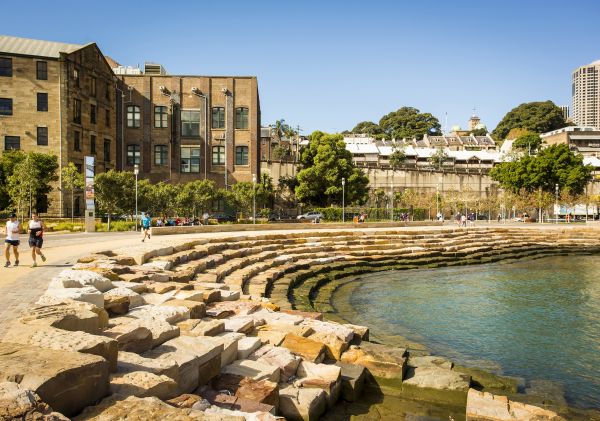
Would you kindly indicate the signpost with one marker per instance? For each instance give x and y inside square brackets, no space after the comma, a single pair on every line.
[90,207]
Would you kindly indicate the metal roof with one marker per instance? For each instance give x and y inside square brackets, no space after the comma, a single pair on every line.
[34,47]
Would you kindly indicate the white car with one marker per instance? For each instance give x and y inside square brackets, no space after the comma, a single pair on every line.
[311,216]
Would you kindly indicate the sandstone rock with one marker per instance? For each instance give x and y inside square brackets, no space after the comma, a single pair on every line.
[302,404]
[429,361]
[279,319]
[261,391]
[167,313]
[161,330]
[157,299]
[437,378]
[323,376]
[130,337]
[483,406]
[304,314]
[236,403]
[240,308]
[129,362]
[204,327]
[187,400]
[361,333]
[279,357]
[334,346]
[306,348]
[272,337]
[133,277]
[57,339]
[71,315]
[243,324]
[253,369]
[246,346]
[60,295]
[67,381]
[229,341]
[106,272]
[158,264]
[143,384]
[189,295]
[135,299]
[229,295]
[328,328]
[353,380]
[228,414]
[196,309]
[17,403]
[124,260]
[116,305]
[382,361]
[139,288]
[79,279]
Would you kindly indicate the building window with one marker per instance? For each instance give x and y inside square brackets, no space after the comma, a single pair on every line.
[77,111]
[190,123]
[107,92]
[190,159]
[92,144]
[41,70]
[218,118]
[133,116]
[42,101]
[161,116]
[76,77]
[93,86]
[107,118]
[42,136]
[133,154]
[6,66]
[12,142]
[241,118]
[241,155]
[77,141]
[92,114]
[218,155]
[106,150]
[160,154]
[6,106]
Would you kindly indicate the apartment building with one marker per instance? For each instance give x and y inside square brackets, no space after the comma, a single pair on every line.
[180,128]
[586,95]
[58,99]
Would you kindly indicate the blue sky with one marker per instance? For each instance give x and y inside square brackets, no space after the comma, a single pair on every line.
[330,64]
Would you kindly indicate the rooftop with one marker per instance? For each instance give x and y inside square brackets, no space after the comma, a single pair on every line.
[34,47]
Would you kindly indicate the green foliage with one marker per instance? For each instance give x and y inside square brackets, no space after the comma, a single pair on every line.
[537,117]
[553,165]
[324,163]
[438,158]
[265,192]
[240,197]
[367,127]
[67,226]
[72,180]
[480,132]
[528,142]
[409,122]
[115,192]
[116,226]
[195,197]
[397,158]
[280,153]
[334,214]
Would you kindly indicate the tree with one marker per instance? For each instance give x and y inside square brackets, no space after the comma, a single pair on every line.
[408,122]
[529,142]
[22,184]
[537,117]
[367,127]
[161,198]
[240,197]
[438,158]
[398,157]
[72,179]
[553,165]
[482,131]
[280,153]
[265,193]
[196,196]
[324,163]
[112,190]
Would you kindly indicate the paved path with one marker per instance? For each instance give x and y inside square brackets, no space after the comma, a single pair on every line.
[21,286]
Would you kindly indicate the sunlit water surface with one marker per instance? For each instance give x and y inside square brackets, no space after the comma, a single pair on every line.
[537,319]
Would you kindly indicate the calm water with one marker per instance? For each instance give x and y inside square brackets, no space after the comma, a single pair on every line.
[535,319]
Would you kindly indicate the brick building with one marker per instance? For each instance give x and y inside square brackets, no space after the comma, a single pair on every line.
[182,128]
[58,99]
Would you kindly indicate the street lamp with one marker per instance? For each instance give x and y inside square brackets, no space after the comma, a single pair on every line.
[392,201]
[254,198]
[556,209]
[343,199]
[136,171]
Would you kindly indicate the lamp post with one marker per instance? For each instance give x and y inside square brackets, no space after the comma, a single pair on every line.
[392,201]
[254,198]
[437,201]
[556,209]
[136,171]
[343,199]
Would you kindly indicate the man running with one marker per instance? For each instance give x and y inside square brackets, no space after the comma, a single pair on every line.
[146,223]
[36,238]
[12,240]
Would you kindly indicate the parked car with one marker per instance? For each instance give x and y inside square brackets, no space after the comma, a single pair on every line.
[279,216]
[310,216]
[223,217]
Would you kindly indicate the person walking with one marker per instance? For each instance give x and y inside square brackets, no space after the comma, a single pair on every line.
[12,240]
[36,238]
[146,223]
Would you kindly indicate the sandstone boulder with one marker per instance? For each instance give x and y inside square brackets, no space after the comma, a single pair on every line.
[135,299]
[353,379]
[70,315]
[17,403]
[322,376]
[483,406]
[381,361]
[246,346]
[170,314]
[306,348]
[143,384]
[261,391]
[79,279]
[253,369]
[161,330]
[204,327]
[60,295]
[196,309]
[116,305]
[130,337]
[302,404]
[334,346]
[279,357]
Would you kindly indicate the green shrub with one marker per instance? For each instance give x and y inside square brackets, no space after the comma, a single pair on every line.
[373,214]
[116,226]
[66,226]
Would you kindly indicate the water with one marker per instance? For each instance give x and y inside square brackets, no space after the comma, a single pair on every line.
[536,319]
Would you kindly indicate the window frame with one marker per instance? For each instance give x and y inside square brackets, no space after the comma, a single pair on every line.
[107,117]
[9,101]
[163,152]
[93,86]
[134,154]
[193,161]
[242,152]
[161,117]
[41,73]
[77,141]
[6,71]
[42,106]
[76,76]
[12,138]
[218,151]
[239,118]
[93,144]
[93,113]
[76,111]
[42,136]
[219,122]
[134,110]
[106,150]
[190,123]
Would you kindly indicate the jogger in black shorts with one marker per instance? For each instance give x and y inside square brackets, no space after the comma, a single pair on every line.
[12,240]
[36,238]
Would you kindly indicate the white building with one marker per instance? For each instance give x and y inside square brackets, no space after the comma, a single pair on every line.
[585,89]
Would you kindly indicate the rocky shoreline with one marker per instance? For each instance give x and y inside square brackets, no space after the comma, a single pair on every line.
[233,328]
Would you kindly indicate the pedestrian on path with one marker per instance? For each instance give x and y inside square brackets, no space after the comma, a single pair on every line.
[36,238]
[12,240]
[146,223]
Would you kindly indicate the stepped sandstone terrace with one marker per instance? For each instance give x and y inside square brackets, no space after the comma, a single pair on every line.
[241,327]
